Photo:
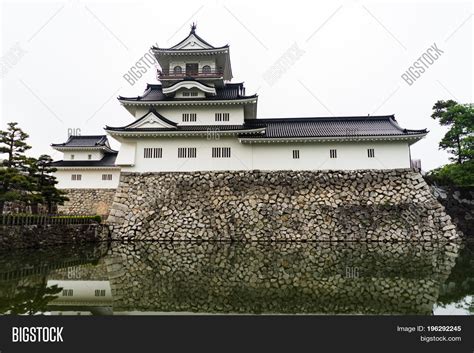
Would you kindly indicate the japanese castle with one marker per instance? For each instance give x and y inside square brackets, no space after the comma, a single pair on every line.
[198,120]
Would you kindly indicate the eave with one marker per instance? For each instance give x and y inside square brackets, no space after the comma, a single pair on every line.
[184,52]
[78,148]
[408,138]
[251,100]
[184,133]
[88,168]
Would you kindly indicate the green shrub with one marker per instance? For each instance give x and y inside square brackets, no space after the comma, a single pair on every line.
[453,174]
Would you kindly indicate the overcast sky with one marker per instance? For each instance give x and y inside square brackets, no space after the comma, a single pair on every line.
[63,62]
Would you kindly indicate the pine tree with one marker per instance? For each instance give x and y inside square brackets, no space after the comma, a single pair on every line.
[14,183]
[13,144]
[46,182]
[459,140]
[26,179]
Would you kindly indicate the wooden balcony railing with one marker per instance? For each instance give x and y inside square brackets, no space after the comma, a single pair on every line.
[175,75]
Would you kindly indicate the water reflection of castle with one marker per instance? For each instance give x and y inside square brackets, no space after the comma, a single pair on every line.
[244,278]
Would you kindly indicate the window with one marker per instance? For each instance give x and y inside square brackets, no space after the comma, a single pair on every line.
[187,117]
[76,177]
[371,153]
[153,152]
[296,154]
[99,292]
[220,152]
[89,156]
[332,153]
[222,116]
[67,292]
[206,69]
[191,93]
[72,156]
[187,152]
[177,70]
[106,177]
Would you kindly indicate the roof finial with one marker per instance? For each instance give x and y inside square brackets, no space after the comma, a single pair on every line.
[193,27]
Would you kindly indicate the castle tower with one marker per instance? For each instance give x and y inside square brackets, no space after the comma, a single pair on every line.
[196,119]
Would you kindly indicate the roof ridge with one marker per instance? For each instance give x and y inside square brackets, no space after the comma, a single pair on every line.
[86,136]
[321,118]
[198,37]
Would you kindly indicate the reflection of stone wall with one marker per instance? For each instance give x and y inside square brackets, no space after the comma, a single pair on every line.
[255,205]
[86,272]
[88,202]
[377,278]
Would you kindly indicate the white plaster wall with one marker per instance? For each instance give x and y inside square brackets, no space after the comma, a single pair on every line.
[314,156]
[83,155]
[126,154]
[205,115]
[179,93]
[91,179]
[192,60]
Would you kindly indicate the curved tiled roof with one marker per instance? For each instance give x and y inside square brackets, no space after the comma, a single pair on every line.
[84,141]
[192,32]
[314,127]
[351,126]
[209,128]
[154,92]
[153,111]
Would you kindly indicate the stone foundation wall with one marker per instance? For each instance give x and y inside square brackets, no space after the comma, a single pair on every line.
[35,236]
[384,205]
[88,202]
[15,207]
[459,203]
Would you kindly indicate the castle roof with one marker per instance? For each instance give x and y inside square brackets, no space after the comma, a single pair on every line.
[86,142]
[154,93]
[192,43]
[350,127]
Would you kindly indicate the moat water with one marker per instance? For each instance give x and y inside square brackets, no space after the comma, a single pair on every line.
[239,278]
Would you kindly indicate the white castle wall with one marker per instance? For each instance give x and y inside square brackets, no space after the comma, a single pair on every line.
[274,156]
[205,115]
[90,179]
[83,155]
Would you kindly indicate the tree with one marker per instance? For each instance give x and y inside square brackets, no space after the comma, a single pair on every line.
[12,186]
[459,140]
[13,143]
[14,181]
[26,179]
[46,182]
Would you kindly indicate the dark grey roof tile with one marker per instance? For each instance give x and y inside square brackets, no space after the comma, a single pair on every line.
[155,93]
[84,141]
[330,127]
